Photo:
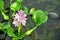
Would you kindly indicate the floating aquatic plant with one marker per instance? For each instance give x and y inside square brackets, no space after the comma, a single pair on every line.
[19,17]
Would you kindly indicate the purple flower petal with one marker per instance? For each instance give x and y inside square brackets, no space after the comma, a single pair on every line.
[20,17]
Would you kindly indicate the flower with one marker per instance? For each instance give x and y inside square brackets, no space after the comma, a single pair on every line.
[20,18]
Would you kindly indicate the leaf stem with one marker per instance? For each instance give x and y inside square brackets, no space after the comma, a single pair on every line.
[12,14]
[31,30]
[4,15]
[10,2]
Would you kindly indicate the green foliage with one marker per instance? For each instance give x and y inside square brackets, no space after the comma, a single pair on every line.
[30,31]
[32,10]
[14,39]
[15,6]
[9,30]
[1,4]
[4,15]
[25,10]
[1,26]
[20,1]
[22,36]
[7,25]
[39,17]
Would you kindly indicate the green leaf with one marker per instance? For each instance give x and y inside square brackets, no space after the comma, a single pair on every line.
[4,26]
[25,10]
[40,17]
[1,4]
[10,32]
[14,39]
[15,6]
[1,26]
[20,1]
[32,10]
[7,25]
[22,36]
[8,29]
[30,31]
[4,15]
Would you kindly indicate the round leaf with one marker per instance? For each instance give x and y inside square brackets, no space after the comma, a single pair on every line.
[39,17]
[15,6]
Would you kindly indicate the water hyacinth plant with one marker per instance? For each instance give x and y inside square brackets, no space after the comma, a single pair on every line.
[19,18]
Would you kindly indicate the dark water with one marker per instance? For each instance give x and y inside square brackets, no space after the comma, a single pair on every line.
[48,31]
[51,29]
